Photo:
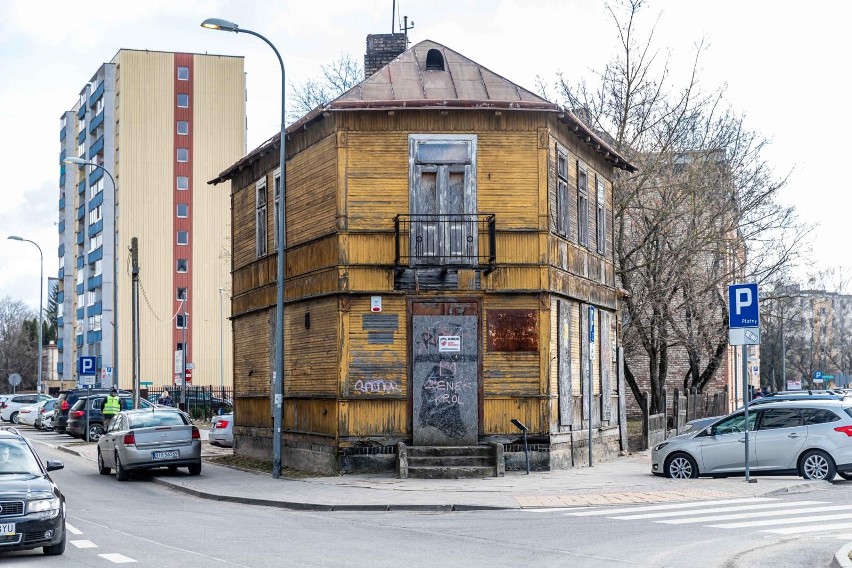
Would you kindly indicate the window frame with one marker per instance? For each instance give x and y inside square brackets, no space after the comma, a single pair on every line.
[185,262]
[185,124]
[182,152]
[185,208]
[582,204]
[261,229]
[178,180]
[182,97]
[182,241]
[600,200]
[181,76]
[562,193]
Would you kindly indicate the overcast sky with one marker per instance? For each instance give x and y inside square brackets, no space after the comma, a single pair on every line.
[784,65]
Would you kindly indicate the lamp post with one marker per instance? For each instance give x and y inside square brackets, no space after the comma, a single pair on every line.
[40,308]
[82,162]
[278,375]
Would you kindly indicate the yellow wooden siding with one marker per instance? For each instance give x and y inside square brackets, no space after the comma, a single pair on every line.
[311,187]
[376,179]
[253,340]
[510,373]
[253,412]
[243,246]
[377,370]
[311,357]
[498,413]
[310,416]
[508,178]
[371,417]
[364,279]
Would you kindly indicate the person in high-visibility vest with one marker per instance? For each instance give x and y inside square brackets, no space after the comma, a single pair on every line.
[112,406]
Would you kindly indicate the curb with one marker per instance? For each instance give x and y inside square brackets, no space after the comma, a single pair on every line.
[801,488]
[841,559]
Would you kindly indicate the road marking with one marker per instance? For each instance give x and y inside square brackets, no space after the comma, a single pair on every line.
[555,509]
[83,543]
[72,529]
[769,523]
[117,558]
[756,514]
[671,506]
[749,507]
[821,527]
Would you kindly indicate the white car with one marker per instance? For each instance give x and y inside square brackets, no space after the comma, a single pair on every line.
[10,407]
[27,415]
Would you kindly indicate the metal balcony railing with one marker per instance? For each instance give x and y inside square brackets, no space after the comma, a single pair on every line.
[449,240]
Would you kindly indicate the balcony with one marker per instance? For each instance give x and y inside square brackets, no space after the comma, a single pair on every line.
[96,254]
[62,134]
[62,155]
[96,95]
[96,200]
[81,137]
[60,321]
[97,121]
[60,297]
[62,222]
[80,313]
[430,249]
[81,112]
[96,148]
[61,203]
[96,228]
[81,260]
[81,236]
[95,309]
[81,187]
[94,282]
[80,340]
[60,273]
[59,366]
[96,174]
[79,289]
[94,337]
[60,250]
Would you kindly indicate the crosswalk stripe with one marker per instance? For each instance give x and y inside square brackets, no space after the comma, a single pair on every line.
[117,558]
[552,509]
[671,506]
[789,521]
[72,529]
[734,516]
[83,543]
[819,528]
[666,514]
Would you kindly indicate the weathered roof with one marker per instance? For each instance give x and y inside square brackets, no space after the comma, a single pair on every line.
[406,83]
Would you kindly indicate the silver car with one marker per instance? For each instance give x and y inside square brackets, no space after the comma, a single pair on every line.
[147,439]
[222,433]
[811,438]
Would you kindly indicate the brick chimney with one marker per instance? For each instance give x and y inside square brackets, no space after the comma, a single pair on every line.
[381,50]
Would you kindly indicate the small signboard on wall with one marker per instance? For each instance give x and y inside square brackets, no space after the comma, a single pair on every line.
[375,304]
[449,343]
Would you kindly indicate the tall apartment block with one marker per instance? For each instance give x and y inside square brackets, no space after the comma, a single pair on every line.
[160,125]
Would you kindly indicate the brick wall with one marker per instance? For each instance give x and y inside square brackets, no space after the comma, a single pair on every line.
[381,50]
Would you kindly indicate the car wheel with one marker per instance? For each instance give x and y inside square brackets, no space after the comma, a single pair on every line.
[847,475]
[818,465]
[59,547]
[681,466]
[104,470]
[95,432]
[14,418]
[195,469]
[120,472]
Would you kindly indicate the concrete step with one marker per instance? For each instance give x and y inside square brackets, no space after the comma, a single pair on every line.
[442,472]
[450,461]
[437,451]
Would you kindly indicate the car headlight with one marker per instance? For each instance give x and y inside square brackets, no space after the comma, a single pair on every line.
[40,505]
[659,447]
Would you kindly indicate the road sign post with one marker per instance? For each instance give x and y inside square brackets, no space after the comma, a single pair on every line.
[744,330]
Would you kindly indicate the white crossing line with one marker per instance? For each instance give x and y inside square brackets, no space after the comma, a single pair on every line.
[672,506]
[83,543]
[117,558]
[554,509]
[735,516]
[668,514]
[72,529]
[818,528]
[792,521]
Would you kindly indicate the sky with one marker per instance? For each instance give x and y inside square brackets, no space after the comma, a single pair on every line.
[781,64]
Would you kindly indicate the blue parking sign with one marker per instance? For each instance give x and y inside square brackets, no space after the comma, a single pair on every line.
[743,309]
[87,366]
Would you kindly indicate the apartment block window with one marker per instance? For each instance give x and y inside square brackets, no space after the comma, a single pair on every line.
[182,127]
[183,154]
[182,183]
[562,193]
[183,73]
[181,321]
[182,210]
[183,100]
[183,237]
[181,294]
[260,217]
[582,204]
[601,214]
[182,265]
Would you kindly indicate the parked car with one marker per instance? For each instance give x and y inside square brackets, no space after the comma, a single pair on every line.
[699,424]
[44,419]
[147,439]
[27,414]
[33,508]
[807,437]
[10,407]
[222,433]
[76,425]
[66,399]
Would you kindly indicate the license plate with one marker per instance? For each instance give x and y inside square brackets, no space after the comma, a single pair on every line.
[7,529]
[167,455]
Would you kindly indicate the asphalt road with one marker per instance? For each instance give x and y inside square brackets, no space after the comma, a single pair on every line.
[147,524]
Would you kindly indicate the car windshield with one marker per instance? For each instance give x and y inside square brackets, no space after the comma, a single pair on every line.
[16,457]
[153,419]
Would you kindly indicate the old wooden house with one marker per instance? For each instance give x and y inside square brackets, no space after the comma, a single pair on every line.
[449,268]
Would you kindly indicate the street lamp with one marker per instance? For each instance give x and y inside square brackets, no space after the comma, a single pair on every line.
[82,162]
[40,308]
[278,375]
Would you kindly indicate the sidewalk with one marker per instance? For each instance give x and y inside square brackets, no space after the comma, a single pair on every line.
[624,480]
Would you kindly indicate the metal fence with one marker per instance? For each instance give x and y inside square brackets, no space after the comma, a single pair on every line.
[200,402]
[685,405]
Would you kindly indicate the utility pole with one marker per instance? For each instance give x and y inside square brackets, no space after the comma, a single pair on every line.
[134,257]
[183,358]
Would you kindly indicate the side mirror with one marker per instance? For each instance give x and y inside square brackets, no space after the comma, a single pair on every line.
[53,465]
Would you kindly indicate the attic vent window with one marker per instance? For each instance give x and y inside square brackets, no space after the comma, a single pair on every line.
[434,61]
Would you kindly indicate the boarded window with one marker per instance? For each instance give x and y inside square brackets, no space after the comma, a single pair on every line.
[562,193]
[512,330]
[601,215]
[260,217]
[582,205]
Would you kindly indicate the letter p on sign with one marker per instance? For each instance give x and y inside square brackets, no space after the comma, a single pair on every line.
[743,300]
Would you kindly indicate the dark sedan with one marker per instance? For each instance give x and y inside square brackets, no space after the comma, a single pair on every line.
[32,508]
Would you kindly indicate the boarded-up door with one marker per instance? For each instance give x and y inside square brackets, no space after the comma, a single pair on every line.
[566,398]
[445,373]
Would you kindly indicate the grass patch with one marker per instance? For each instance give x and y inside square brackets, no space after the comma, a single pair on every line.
[258,465]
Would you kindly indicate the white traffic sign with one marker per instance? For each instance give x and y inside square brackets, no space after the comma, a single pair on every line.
[14,379]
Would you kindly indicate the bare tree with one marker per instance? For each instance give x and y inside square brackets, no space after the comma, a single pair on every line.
[18,346]
[700,212]
[335,79]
